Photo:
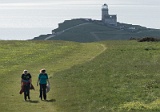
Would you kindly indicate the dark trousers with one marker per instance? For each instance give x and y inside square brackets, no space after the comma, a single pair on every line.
[43,91]
[26,91]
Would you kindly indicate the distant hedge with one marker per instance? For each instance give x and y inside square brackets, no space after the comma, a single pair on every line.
[146,39]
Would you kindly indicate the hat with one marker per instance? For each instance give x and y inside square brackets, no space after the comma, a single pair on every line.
[24,71]
[42,70]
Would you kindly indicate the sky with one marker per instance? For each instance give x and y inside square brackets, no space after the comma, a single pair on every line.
[34,13]
[85,1]
[47,14]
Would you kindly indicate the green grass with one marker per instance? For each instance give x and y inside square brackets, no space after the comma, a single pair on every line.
[109,76]
[34,55]
[125,77]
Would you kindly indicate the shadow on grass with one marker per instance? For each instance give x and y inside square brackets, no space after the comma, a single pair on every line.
[51,100]
[33,101]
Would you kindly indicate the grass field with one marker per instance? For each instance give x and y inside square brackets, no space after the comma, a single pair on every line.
[109,76]
[54,56]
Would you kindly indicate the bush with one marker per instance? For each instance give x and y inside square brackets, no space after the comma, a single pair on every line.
[148,39]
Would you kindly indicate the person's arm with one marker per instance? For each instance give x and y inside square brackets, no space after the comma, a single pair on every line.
[38,80]
[48,81]
[30,80]
[21,80]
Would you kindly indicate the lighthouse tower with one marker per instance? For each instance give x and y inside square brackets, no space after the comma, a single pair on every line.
[106,18]
[104,12]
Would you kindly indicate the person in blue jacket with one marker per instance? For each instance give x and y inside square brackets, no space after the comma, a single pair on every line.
[43,81]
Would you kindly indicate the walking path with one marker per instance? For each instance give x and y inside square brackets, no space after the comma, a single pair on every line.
[82,53]
[103,49]
[60,32]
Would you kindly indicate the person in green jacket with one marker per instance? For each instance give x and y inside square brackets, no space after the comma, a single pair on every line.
[43,81]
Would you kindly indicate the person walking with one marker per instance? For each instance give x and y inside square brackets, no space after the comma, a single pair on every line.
[43,81]
[26,83]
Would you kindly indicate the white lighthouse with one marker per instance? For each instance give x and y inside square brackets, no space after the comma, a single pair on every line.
[106,18]
[104,11]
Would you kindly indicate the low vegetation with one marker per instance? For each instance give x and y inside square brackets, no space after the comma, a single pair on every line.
[54,56]
[109,76]
[124,78]
[87,30]
[146,39]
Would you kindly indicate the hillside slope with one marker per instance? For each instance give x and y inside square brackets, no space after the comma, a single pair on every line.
[54,56]
[124,78]
[87,30]
[108,76]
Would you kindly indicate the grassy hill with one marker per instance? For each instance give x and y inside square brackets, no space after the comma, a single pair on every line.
[87,30]
[125,77]
[33,55]
[107,76]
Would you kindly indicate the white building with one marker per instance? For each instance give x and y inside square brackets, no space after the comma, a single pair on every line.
[106,18]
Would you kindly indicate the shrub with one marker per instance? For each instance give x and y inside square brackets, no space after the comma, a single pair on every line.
[148,39]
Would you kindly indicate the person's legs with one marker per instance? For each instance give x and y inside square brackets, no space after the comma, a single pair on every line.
[44,91]
[28,91]
[25,92]
[40,91]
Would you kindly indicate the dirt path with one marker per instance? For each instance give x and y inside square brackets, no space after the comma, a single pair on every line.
[13,101]
[63,31]
[103,49]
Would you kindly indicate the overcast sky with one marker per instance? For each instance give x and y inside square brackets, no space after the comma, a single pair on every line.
[25,4]
[45,15]
[85,1]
